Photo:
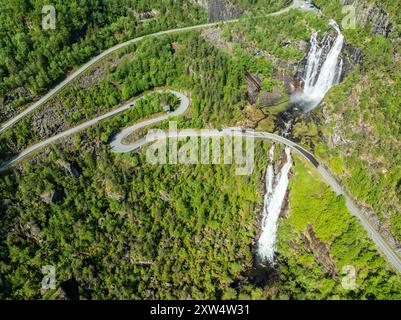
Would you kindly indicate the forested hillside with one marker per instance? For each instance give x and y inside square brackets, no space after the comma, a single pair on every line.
[320,239]
[32,60]
[176,221]
[361,117]
[116,227]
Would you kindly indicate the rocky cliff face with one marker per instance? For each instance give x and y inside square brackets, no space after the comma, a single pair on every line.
[219,10]
[368,14]
[254,85]
[326,42]
[223,10]
[371,16]
[352,56]
[320,250]
[351,122]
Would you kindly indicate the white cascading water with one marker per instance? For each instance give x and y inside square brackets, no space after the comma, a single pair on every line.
[276,189]
[323,70]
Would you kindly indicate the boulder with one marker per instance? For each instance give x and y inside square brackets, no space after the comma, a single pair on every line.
[50,197]
[71,168]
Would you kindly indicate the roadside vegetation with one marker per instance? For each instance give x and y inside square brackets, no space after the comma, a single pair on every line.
[359,133]
[33,60]
[320,241]
[115,226]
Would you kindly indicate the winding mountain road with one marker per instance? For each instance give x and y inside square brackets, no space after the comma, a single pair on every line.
[385,248]
[118,146]
[297,4]
[184,103]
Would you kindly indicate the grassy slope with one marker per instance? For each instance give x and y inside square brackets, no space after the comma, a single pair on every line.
[312,202]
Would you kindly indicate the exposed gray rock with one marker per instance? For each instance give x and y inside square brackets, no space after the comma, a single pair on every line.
[325,42]
[351,58]
[301,45]
[114,191]
[384,230]
[164,196]
[271,98]
[214,36]
[31,230]
[254,85]
[6,202]
[320,250]
[145,15]
[54,117]
[7,108]
[71,168]
[202,3]
[50,120]
[116,196]
[219,10]
[336,139]
[34,230]
[368,14]
[50,197]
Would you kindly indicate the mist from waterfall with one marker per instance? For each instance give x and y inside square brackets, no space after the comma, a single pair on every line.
[323,69]
[276,189]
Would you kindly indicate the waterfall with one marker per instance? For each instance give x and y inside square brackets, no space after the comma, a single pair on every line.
[276,189]
[323,69]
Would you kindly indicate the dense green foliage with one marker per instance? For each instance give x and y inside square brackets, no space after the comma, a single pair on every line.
[288,29]
[35,59]
[194,66]
[364,111]
[115,226]
[181,232]
[303,276]
[170,237]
